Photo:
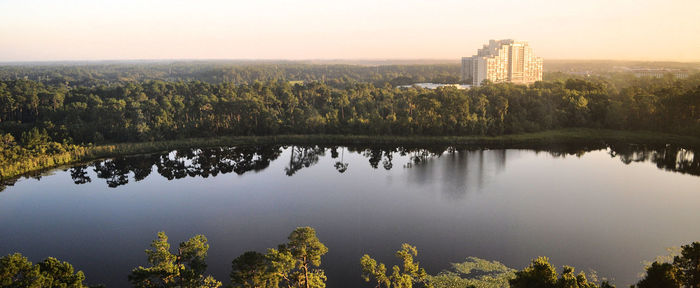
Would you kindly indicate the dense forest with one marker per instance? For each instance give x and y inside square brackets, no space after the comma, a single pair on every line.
[157,110]
[298,263]
[610,66]
[63,117]
[246,72]
[236,72]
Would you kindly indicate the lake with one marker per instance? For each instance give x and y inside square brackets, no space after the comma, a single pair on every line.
[596,208]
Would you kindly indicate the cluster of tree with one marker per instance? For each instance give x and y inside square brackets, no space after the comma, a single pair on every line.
[32,143]
[683,271]
[236,72]
[541,274]
[184,269]
[34,150]
[474,273]
[297,264]
[17,271]
[410,273]
[157,110]
[607,66]
[293,264]
[246,72]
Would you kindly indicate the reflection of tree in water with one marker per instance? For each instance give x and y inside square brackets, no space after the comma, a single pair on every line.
[459,171]
[385,154]
[113,171]
[563,150]
[334,152]
[5,183]
[116,171]
[387,160]
[79,174]
[374,155]
[181,163]
[669,157]
[302,157]
[211,162]
[686,161]
[420,156]
[214,161]
[341,166]
[666,157]
[174,167]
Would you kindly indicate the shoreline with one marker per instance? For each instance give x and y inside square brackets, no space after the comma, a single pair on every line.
[577,136]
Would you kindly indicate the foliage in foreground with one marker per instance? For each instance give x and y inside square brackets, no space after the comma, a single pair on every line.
[541,274]
[293,264]
[17,271]
[410,273]
[296,264]
[684,271]
[184,269]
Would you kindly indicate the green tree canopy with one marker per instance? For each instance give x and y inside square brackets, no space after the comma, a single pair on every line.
[541,274]
[251,270]
[293,264]
[408,274]
[660,275]
[184,269]
[684,271]
[17,271]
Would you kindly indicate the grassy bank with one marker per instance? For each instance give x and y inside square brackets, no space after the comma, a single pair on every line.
[530,140]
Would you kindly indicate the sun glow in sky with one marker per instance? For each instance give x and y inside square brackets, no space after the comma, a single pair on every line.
[359,29]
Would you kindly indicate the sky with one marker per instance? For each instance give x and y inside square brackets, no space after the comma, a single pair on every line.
[33,30]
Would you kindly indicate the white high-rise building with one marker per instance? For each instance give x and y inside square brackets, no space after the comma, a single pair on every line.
[503,61]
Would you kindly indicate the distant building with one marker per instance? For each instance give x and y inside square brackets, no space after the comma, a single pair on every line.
[503,61]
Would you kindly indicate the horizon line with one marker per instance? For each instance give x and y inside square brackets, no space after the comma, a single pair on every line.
[3,62]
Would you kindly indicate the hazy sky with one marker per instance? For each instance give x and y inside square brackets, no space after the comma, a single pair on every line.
[366,29]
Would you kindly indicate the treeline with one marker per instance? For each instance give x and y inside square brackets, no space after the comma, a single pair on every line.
[297,263]
[157,110]
[334,73]
[235,72]
[607,66]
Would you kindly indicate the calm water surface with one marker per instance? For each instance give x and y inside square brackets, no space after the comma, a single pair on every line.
[606,210]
